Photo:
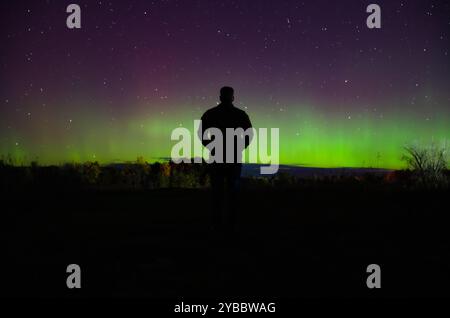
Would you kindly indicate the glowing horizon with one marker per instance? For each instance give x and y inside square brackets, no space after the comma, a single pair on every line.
[314,139]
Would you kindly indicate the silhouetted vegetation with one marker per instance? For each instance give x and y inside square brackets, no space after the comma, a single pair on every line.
[141,175]
[428,164]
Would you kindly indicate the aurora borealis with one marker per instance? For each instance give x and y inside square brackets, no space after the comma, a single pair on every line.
[342,95]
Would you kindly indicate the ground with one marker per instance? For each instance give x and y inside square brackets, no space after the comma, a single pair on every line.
[307,242]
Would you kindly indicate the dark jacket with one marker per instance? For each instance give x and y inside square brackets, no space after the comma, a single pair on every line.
[227,116]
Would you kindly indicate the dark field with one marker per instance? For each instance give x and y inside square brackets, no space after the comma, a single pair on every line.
[308,240]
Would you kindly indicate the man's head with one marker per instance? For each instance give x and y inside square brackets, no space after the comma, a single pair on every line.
[227,95]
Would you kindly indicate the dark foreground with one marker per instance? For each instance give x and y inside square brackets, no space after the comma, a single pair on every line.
[305,242]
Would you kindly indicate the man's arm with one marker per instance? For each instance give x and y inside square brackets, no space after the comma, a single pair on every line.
[201,130]
[247,125]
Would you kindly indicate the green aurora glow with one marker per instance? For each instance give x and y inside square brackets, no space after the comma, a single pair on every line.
[365,139]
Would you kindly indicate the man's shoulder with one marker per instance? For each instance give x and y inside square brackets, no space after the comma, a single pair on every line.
[220,110]
[210,112]
[239,111]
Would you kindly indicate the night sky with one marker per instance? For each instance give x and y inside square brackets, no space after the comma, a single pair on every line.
[341,94]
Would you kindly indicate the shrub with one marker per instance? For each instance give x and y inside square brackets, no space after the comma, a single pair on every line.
[428,163]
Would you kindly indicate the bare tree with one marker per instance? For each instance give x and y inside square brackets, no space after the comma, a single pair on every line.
[429,163]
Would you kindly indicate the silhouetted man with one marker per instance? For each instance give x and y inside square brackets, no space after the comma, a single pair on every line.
[225,177]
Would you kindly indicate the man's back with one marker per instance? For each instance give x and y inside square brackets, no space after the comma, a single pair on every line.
[226,116]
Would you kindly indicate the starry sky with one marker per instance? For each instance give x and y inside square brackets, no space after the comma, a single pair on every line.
[341,94]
